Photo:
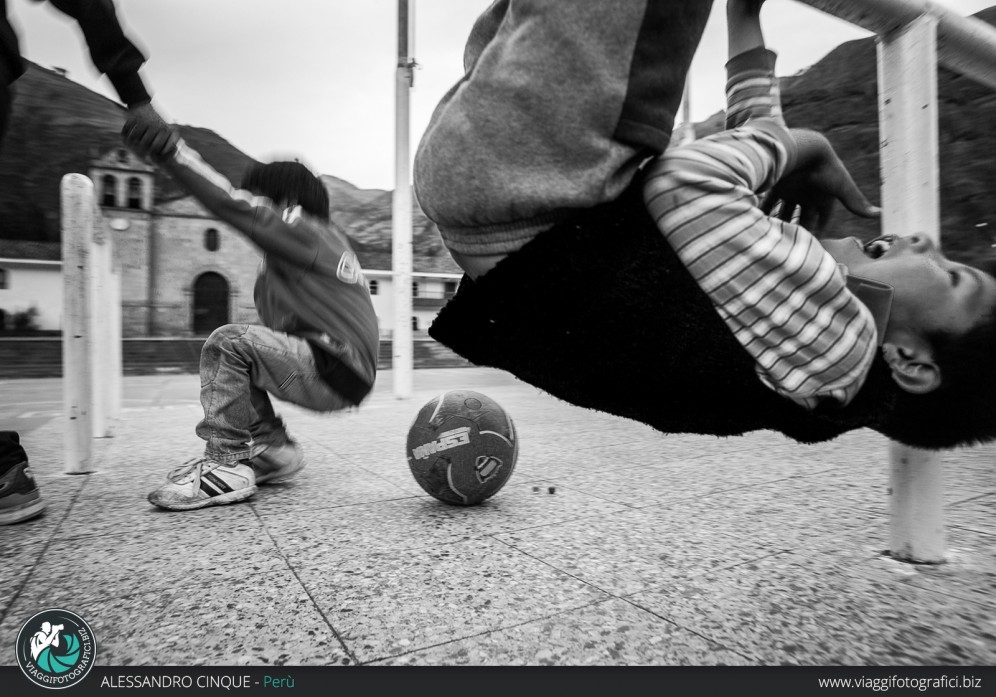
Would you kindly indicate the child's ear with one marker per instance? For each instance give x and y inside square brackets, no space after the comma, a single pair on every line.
[913,366]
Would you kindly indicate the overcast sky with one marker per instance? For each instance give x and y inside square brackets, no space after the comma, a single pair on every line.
[316,78]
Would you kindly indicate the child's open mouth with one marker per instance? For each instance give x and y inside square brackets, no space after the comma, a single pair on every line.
[879,246]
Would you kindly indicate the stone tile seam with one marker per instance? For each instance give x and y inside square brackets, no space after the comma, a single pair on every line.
[711,641]
[307,591]
[501,628]
[41,554]
[137,593]
[868,575]
[628,598]
[556,568]
[695,573]
[859,568]
[971,528]
[970,499]
[625,596]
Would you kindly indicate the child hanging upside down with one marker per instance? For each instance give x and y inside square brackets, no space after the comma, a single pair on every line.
[658,289]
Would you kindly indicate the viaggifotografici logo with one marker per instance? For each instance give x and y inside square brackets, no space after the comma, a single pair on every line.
[55,649]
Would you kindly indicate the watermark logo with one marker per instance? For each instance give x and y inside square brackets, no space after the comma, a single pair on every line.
[55,649]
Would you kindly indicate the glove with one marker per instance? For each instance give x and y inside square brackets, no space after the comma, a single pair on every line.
[148,134]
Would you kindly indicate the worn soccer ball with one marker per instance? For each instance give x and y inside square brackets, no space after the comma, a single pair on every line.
[462,447]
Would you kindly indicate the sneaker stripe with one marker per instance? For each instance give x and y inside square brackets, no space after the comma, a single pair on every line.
[218,482]
[208,489]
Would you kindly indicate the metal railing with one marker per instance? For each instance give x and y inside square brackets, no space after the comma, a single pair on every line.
[964,44]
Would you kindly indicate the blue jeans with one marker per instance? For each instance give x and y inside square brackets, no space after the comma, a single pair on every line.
[241,366]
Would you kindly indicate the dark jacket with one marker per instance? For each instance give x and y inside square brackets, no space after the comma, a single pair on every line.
[310,284]
[111,51]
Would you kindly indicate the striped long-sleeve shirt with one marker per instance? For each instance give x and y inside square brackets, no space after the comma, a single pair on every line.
[780,293]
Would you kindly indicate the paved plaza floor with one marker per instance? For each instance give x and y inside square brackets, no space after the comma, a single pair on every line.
[612,544]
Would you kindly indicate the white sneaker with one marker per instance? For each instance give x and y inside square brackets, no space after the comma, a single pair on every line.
[278,462]
[204,482]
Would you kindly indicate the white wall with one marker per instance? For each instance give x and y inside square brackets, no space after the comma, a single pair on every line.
[429,286]
[39,284]
[383,302]
[33,284]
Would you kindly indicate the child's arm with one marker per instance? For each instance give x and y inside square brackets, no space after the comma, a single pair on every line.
[743,26]
[752,92]
[781,295]
[257,217]
[751,86]
[265,223]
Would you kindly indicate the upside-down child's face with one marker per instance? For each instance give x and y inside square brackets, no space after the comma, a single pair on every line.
[932,293]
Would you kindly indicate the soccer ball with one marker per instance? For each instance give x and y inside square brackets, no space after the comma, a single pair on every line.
[462,447]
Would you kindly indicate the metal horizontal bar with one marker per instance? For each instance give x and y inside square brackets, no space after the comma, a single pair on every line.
[964,44]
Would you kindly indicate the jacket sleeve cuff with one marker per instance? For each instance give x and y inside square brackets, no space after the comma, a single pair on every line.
[130,88]
[758,59]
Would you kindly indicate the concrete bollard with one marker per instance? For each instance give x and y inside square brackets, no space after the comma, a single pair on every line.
[91,324]
[77,221]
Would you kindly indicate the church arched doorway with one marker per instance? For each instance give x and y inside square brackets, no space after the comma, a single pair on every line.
[210,302]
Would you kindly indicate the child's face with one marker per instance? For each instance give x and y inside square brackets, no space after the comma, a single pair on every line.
[932,293]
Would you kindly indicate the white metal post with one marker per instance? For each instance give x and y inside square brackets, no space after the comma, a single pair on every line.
[907,88]
[77,222]
[402,349]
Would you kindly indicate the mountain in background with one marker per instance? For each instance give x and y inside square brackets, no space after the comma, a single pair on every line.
[58,126]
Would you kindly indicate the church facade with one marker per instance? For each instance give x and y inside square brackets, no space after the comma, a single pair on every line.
[182,271]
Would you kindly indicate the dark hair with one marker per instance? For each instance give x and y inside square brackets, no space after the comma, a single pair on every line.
[281,181]
[962,410]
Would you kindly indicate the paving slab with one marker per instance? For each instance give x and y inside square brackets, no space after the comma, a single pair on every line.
[254,619]
[84,567]
[974,513]
[385,604]
[968,573]
[635,549]
[790,609]
[611,544]
[614,632]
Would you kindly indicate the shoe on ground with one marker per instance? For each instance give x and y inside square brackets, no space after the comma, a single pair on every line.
[278,462]
[204,482]
[19,496]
